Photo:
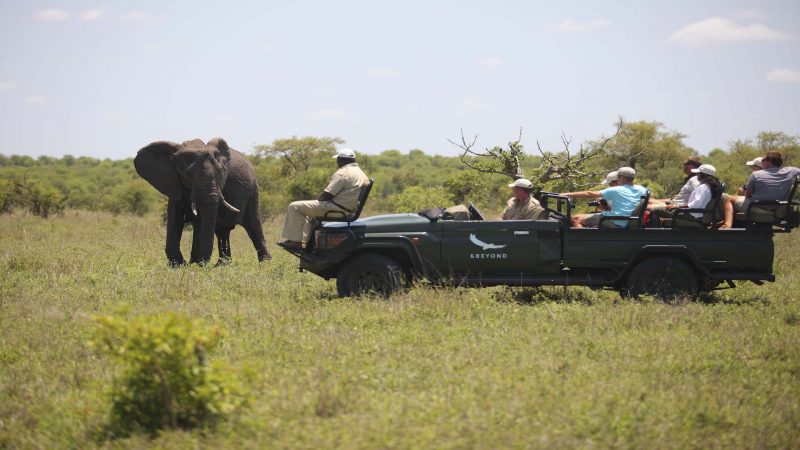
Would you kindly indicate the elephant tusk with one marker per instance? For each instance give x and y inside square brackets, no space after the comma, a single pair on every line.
[194,209]
[229,206]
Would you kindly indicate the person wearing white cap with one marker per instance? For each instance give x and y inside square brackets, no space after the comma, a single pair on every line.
[522,206]
[621,199]
[340,195]
[709,185]
[658,207]
[612,179]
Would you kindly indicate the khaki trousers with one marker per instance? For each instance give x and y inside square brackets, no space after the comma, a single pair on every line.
[301,216]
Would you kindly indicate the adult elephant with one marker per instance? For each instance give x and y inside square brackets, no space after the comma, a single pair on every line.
[210,185]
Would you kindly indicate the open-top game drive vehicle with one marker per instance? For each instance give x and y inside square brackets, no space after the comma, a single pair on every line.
[384,253]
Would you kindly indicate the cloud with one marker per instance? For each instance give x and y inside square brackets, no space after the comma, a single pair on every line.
[784,76]
[331,114]
[7,85]
[138,17]
[35,100]
[718,30]
[92,14]
[574,25]
[51,15]
[489,62]
[379,72]
[751,14]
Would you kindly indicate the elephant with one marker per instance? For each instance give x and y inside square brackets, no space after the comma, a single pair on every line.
[210,185]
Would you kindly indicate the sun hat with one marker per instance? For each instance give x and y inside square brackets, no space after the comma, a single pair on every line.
[521,183]
[345,153]
[612,176]
[627,172]
[707,169]
[756,162]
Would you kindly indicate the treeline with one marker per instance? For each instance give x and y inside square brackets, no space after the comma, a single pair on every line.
[299,168]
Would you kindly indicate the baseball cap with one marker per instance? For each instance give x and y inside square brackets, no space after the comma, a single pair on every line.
[755,162]
[627,172]
[345,153]
[522,183]
[612,176]
[707,169]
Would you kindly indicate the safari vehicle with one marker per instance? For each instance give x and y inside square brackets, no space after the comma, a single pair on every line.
[384,253]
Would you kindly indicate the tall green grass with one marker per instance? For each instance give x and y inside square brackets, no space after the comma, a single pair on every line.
[430,368]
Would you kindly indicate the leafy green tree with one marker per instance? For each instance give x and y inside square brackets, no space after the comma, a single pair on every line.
[298,153]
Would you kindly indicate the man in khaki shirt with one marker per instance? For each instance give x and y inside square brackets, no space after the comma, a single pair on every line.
[522,206]
[340,195]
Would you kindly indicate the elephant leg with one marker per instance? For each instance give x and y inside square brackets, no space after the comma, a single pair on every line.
[224,245]
[252,223]
[174,232]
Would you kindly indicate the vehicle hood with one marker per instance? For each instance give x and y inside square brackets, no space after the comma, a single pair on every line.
[382,220]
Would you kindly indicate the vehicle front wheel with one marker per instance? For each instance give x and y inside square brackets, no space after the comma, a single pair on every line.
[662,277]
[373,273]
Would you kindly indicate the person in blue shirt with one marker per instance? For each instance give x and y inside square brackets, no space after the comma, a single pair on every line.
[620,200]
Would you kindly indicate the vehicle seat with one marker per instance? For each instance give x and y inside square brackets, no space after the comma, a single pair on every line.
[350,216]
[783,213]
[711,219]
[635,220]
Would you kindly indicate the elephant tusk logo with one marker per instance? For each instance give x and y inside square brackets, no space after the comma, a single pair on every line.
[484,245]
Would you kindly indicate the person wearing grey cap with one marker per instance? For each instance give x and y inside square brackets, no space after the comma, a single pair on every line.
[522,206]
[340,195]
[620,200]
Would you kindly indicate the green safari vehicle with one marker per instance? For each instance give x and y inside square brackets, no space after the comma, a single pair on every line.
[384,253]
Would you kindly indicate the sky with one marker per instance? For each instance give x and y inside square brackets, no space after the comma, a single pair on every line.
[105,78]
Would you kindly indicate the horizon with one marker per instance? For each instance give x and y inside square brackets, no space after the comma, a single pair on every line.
[104,80]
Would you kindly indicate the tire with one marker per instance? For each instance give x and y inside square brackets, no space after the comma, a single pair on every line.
[662,277]
[371,273]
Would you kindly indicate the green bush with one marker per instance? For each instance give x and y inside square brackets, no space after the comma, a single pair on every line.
[7,191]
[135,197]
[42,199]
[416,198]
[164,379]
[309,184]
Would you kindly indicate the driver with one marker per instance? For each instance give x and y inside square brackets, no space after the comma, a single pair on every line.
[522,206]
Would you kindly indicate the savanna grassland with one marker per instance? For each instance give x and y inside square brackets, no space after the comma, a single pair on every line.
[430,368]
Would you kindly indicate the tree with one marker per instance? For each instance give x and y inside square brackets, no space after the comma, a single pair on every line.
[567,167]
[297,153]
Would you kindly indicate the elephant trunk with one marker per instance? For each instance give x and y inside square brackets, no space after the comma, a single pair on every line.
[205,203]
[207,226]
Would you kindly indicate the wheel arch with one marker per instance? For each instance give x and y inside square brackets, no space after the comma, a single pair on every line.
[680,252]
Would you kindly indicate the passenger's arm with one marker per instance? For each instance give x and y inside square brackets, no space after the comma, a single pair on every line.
[583,194]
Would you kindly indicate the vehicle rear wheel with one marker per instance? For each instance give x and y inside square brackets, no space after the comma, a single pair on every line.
[662,277]
[370,274]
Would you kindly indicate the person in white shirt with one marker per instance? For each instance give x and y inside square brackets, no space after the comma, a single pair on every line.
[702,194]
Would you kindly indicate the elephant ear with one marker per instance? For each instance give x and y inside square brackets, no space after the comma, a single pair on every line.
[154,163]
[224,156]
[222,146]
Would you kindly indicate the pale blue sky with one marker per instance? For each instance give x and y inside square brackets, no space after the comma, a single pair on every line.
[105,78]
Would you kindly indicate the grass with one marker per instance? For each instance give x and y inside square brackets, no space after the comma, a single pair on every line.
[431,368]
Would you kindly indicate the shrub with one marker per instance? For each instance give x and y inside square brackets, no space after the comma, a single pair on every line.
[134,197]
[42,199]
[416,198]
[164,379]
[7,190]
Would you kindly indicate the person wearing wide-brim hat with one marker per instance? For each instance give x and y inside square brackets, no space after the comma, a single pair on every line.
[340,195]
[522,206]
